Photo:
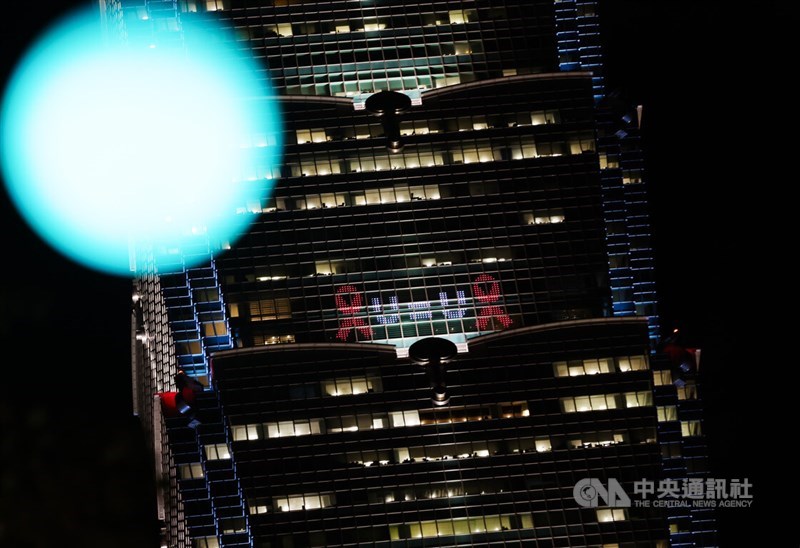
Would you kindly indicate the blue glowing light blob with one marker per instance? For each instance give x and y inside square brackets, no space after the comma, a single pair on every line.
[117,153]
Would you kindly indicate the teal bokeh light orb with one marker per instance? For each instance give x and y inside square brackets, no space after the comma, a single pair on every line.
[120,154]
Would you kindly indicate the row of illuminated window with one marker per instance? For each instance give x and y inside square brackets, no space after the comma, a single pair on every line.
[374,421]
[593,366]
[445,527]
[400,193]
[405,258]
[409,493]
[343,386]
[279,307]
[339,26]
[460,526]
[424,127]
[447,490]
[509,446]
[351,385]
[599,402]
[353,76]
[361,51]
[269,340]
[379,82]
[526,147]
[306,501]
[404,455]
[348,54]
[396,194]
[422,156]
[354,79]
[344,81]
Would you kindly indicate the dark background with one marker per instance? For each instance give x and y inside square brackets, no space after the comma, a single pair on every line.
[711,78]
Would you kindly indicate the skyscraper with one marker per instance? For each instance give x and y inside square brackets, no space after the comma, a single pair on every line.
[454,172]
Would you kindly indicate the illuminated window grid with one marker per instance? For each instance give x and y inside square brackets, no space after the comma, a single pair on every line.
[509,480]
[476,228]
[378,49]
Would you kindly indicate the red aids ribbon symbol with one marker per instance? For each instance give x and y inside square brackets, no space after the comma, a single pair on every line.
[346,325]
[492,311]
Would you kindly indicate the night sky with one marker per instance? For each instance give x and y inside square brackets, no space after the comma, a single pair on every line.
[711,80]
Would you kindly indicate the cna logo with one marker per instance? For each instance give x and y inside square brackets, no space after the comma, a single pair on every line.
[589,491]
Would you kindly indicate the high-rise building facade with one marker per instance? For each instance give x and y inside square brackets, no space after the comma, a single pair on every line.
[500,212]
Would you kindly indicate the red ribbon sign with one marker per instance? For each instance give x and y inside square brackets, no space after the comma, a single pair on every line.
[346,325]
[492,311]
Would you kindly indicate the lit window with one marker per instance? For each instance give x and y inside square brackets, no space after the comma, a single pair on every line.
[307,501]
[543,217]
[346,423]
[326,268]
[691,428]
[638,399]
[350,385]
[631,176]
[404,418]
[245,432]
[579,145]
[460,526]
[205,542]
[192,470]
[218,451]
[299,427]
[599,402]
[459,17]
[273,339]
[667,413]
[278,308]
[284,29]
[215,329]
[611,514]
[661,378]
[543,445]
[632,363]
[595,439]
